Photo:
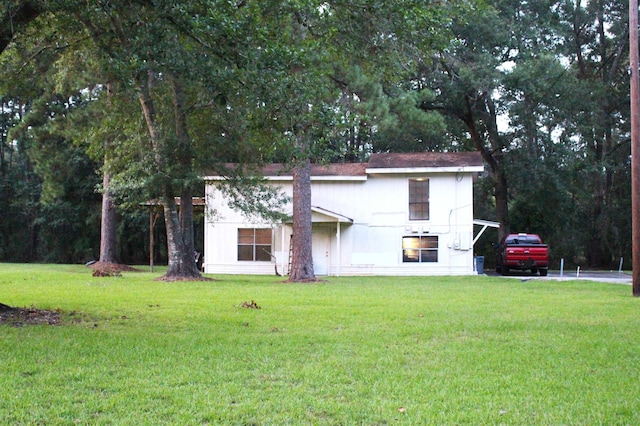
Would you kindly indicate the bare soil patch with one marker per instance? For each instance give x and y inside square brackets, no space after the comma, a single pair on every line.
[252,305]
[19,317]
[107,269]
[173,278]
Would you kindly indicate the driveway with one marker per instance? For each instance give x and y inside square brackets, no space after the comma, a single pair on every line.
[600,276]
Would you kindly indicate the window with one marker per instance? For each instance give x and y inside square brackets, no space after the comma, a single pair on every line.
[419,199]
[254,244]
[422,248]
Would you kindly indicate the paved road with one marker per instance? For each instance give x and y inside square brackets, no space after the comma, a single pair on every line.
[601,276]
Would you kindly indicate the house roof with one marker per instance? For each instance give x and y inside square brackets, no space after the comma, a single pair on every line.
[410,162]
[333,169]
[424,159]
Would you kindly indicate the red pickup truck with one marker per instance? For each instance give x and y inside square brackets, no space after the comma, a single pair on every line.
[522,252]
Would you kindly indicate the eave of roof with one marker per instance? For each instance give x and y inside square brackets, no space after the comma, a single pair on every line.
[333,171]
[424,159]
[386,163]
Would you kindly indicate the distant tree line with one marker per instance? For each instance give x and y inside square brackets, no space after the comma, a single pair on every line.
[133,102]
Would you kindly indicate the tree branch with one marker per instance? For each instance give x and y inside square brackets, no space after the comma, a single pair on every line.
[16,20]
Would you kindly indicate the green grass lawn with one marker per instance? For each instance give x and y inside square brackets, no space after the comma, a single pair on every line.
[375,350]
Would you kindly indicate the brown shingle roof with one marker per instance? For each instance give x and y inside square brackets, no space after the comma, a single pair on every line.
[381,161]
[335,169]
[424,159]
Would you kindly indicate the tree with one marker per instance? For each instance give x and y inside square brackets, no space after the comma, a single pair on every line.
[152,58]
[466,78]
[19,188]
[66,218]
[61,167]
[321,46]
[15,17]
[108,252]
[176,59]
[553,72]
[144,47]
[597,37]
[538,87]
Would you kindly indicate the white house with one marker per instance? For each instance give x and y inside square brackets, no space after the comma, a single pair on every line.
[398,214]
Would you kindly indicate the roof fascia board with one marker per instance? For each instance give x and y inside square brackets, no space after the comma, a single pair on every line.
[288,178]
[326,178]
[409,170]
[373,171]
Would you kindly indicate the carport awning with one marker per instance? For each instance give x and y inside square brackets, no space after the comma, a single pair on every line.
[485,224]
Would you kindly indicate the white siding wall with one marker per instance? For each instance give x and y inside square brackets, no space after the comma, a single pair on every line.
[372,244]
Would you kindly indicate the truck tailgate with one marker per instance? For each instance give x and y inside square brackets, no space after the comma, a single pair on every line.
[537,253]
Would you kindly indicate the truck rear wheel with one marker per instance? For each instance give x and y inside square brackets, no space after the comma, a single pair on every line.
[543,272]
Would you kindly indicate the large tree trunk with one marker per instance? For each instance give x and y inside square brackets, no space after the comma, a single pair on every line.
[108,244]
[182,262]
[302,258]
[188,265]
[107,224]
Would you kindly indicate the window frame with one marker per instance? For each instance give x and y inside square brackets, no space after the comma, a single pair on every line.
[253,244]
[419,208]
[425,251]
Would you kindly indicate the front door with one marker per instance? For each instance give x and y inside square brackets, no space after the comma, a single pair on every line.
[320,251]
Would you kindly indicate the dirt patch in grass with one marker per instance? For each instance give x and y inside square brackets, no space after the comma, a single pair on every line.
[19,317]
[252,305]
[174,278]
[107,269]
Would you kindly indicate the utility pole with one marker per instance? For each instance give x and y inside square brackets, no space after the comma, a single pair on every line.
[635,148]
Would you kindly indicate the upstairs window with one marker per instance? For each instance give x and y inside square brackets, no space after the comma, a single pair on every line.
[254,244]
[419,199]
[422,249]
